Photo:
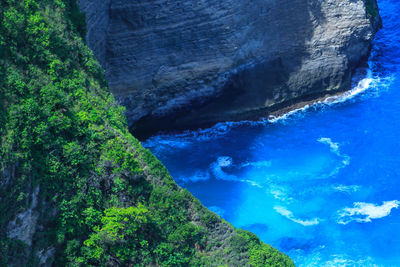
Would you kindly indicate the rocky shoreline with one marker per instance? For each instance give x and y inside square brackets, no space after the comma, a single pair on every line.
[194,64]
[164,126]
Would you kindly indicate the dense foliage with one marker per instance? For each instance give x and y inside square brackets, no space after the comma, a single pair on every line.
[94,196]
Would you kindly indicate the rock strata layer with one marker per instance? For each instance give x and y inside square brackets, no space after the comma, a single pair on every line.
[186,63]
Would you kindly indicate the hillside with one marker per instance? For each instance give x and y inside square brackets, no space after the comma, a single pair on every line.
[76,188]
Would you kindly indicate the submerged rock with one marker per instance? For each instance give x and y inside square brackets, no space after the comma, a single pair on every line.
[187,63]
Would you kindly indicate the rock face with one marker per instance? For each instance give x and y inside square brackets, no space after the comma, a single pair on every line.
[23,227]
[98,21]
[186,63]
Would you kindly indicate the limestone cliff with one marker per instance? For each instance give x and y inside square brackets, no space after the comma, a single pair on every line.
[76,188]
[186,63]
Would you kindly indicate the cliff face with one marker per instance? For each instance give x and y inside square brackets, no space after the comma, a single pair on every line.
[98,21]
[209,60]
[76,188]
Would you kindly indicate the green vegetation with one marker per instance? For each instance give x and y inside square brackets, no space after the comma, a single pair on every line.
[103,199]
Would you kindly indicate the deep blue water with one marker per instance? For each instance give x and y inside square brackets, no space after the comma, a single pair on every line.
[322,184]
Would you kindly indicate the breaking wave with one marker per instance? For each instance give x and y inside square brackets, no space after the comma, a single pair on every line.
[362,86]
[365,212]
[220,129]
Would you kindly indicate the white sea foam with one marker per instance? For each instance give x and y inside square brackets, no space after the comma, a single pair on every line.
[274,119]
[224,161]
[336,260]
[361,86]
[252,183]
[166,142]
[258,164]
[347,188]
[334,146]
[177,143]
[288,214]
[280,193]
[335,149]
[346,261]
[365,212]
[224,127]
[198,176]
[217,168]
[221,129]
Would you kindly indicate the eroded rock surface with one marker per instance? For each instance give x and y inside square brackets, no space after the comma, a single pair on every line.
[23,227]
[181,63]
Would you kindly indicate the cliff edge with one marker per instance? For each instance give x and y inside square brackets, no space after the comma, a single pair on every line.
[76,188]
[182,64]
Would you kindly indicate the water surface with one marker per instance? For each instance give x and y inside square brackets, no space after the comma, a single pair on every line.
[322,184]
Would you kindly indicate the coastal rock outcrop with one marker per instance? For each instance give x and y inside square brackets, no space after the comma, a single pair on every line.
[186,63]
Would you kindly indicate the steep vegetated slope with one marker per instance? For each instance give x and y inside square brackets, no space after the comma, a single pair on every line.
[76,188]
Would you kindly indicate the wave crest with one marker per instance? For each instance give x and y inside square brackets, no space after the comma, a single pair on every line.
[365,212]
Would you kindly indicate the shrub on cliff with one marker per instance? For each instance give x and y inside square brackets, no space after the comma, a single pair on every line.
[90,193]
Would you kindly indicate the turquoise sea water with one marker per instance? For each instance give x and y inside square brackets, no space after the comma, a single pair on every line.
[321,184]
